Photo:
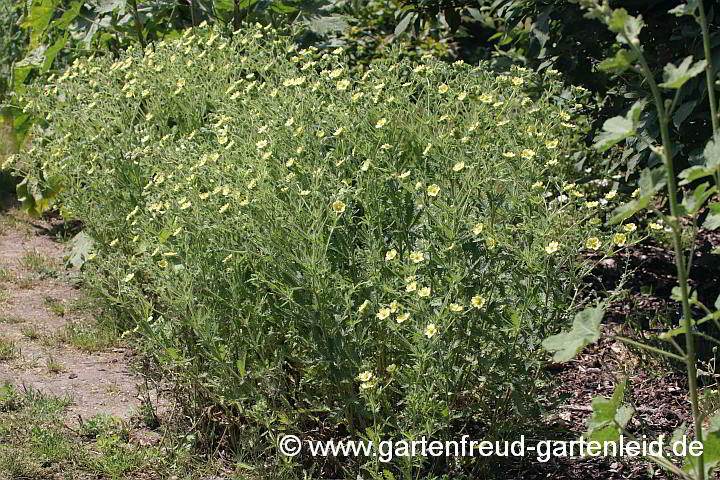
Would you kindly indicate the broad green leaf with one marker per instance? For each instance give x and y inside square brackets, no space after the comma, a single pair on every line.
[52,52]
[35,58]
[37,20]
[711,448]
[712,221]
[629,209]
[712,152]
[683,112]
[652,181]
[693,173]
[675,77]
[108,6]
[405,22]
[80,247]
[282,8]
[688,8]
[585,330]
[617,129]
[609,416]
[619,63]
[625,25]
[69,15]
[693,202]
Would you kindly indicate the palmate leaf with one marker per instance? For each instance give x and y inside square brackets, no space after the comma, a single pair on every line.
[585,330]
[80,247]
[609,416]
[675,77]
[618,128]
[619,63]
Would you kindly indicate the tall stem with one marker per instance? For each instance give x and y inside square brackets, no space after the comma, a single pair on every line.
[702,20]
[138,24]
[679,257]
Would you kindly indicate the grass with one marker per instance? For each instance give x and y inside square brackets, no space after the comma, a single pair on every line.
[39,263]
[55,306]
[88,336]
[35,443]
[8,350]
[53,365]
[6,275]
[31,332]
[10,319]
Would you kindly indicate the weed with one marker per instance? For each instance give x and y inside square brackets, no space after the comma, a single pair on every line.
[53,365]
[55,306]
[8,350]
[91,337]
[31,332]
[40,264]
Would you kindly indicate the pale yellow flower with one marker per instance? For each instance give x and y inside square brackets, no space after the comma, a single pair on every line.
[383,313]
[365,376]
[552,247]
[424,292]
[655,226]
[478,301]
[443,88]
[619,239]
[430,330]
[402,317]
[411,287]
[593,243]
[417,257]
[456,307]
[433,190]
[394,306]
[527,153]
[478,228]
[630,227]
[458,166]
[551,144]
[390,254]
[338,206]
[611,194]
[381,123]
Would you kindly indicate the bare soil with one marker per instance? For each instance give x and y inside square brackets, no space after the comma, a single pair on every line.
[34,279]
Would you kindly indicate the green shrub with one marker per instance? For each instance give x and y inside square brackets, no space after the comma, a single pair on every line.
[306,252]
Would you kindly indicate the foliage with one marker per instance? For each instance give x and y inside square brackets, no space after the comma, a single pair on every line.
[684,216]
[301,258]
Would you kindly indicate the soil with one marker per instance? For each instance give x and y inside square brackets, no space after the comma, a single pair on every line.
[97,382]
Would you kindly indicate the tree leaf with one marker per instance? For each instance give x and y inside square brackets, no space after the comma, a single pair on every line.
[629,209]
[618,128]
[619,63]
[652,180]
[80,247]
[585,330]
[69,15]
[675,77]
[693,202]
[712,221]
[712,152]
[404,23]
[37,20]
[693,173]
[52,52]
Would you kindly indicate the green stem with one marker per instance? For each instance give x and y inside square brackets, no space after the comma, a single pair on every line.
[649,348]
[702,20]
[138,24]
[690,358]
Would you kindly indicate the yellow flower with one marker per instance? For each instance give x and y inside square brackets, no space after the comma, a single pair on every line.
[593,243]
[430,330]
[455,307]
[433,190]
[552,247]
[551,144]
[260,144]
[385,146]
[391,368]
[527,153]
[424,292]
[508,155]
[655,226]
[478,301]
[458,166]
[338,206]
[365,376]
[383,313]
[610,195]
[630,227]
[390,254]
[517,81]
[394,306]
[443,88]
[486,98]
[538,185]
[364,305]
[411,287]
[224,208]
[417,257]
[128,277]
[490,243]
[619,239]
[381,123]
[162,264]
[478,228]
[635,193]
[401,318]
[338,131]
[591,204]
[366,385]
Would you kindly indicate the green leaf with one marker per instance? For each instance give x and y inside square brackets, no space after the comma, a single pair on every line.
[69,15]
[108,6]
[617,129]
[52,52]
[619,63]
[685,8]
[675,77]
[37,20]
[693,173]
[692,203]
[712,221]
[585,330]
[625,25]
[80,247]
[404,23]
[629,209]
[452,18]
[711,448]
[609,416]
[712,152]
[652,181]
[35,58]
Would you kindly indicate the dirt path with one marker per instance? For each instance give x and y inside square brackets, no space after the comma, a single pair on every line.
[47,337]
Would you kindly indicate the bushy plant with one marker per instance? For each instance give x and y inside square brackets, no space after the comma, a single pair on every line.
[310,252]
